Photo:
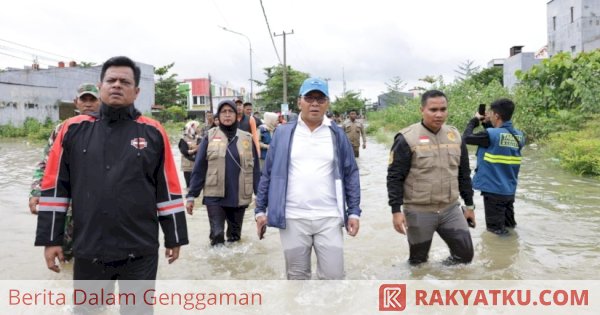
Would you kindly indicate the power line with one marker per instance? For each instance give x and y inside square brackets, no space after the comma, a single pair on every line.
[7,48]
[1,53]
[221,13]
[270,33]
[46,52]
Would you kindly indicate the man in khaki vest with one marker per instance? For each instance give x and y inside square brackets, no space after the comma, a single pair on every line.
[428,169]
[355,131]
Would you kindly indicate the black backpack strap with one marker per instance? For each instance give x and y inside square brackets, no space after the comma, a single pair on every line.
[516,139]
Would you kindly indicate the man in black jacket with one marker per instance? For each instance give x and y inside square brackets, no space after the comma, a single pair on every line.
[118,173]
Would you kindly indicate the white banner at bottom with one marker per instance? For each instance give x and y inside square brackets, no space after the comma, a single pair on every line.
[300,297]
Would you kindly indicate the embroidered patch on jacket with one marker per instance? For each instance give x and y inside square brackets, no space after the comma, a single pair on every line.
[451,136]
[424,140]
[139,143]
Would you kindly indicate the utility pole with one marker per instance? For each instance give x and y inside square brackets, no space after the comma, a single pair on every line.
[210,102]
[344,80]
[283,33]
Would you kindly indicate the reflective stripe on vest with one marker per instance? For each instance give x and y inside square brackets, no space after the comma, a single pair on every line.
[502,159]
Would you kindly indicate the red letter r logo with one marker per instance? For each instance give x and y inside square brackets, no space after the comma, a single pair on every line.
[392,297]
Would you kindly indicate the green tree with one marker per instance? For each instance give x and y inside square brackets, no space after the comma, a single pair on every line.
[487,75]
[466,70]
[271,97]
[393,95]
[166,88]
[560,93]
[85,64]
[349,101]
[431,80]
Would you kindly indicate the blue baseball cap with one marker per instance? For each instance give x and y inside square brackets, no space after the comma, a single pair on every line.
[314,84]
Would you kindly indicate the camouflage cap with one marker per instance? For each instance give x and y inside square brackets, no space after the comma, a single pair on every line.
[87,88]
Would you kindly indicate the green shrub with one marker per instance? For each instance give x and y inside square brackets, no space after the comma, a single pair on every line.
[578,151]
[463,100]
[31,128]
[176,113]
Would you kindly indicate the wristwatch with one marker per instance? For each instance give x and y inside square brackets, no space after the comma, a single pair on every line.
[470,207]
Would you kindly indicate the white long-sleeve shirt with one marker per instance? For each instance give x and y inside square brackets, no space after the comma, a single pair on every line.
[311,190]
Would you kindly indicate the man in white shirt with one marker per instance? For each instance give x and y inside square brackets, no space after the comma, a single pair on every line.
[310,188]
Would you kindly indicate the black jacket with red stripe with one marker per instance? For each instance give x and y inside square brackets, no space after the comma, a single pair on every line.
[118,172]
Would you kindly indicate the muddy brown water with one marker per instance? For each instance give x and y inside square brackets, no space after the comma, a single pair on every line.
[557,237]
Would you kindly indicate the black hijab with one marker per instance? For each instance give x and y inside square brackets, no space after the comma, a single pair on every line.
[229,131]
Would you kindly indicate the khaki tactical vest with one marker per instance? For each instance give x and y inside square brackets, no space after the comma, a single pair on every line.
[187,165]
[354,131]
[432,182]
[216,154]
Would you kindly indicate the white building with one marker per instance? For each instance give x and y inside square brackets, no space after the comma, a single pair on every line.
[573,25]
[49,93]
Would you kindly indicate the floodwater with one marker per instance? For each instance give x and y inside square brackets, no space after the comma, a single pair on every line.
[557,236]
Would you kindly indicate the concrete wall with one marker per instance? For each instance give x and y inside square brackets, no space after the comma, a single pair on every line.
[591,25]
[583,34]
[17,102]
[522,61]
[47,88]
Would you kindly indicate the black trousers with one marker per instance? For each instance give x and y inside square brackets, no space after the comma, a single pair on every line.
[96,278]
[499,211]
[217,216]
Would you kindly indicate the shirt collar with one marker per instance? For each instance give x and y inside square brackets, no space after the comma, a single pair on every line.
[326,122]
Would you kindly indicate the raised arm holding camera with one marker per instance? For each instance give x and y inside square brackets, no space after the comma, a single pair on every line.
[498,163]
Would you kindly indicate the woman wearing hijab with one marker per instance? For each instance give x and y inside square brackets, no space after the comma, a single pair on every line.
[227,169]
[188,146]
[266,133]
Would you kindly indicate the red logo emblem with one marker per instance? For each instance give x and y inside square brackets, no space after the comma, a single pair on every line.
[392,297]
[139,143]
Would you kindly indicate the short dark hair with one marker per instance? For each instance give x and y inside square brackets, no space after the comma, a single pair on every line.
[504,108]
[353,110]
[431,94]
[122,61]
[247,104]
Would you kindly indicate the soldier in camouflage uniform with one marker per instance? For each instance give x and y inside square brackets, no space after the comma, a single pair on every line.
[87,102]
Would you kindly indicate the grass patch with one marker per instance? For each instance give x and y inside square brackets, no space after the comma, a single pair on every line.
[578,151]
[31,129]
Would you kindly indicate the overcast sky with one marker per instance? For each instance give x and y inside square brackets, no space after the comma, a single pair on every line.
[369,41]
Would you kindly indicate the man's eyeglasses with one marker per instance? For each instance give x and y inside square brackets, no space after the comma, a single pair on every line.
[321,99]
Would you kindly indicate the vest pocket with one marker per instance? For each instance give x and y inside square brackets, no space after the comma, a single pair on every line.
[423,158]
[212,178]
[453,194]
[454,156]
[212,152]
[248,188]
[248,162]
[419,193]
